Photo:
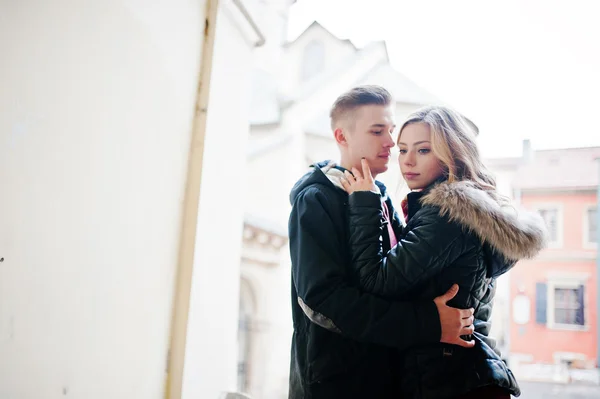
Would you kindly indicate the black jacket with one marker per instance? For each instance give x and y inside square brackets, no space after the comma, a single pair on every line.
[342,336]
[455,233]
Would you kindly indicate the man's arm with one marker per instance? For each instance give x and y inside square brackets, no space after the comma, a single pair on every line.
[328,299]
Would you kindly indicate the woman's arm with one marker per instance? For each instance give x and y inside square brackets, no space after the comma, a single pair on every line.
[425,250]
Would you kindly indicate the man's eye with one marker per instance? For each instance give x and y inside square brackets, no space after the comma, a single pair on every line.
[377,132]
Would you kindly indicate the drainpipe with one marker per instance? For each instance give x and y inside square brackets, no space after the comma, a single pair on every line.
[187,241]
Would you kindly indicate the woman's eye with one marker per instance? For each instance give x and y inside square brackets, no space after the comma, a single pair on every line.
[424,151]
[402,151]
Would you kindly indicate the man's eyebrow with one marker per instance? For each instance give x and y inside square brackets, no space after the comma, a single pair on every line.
[418,142]
[382,125]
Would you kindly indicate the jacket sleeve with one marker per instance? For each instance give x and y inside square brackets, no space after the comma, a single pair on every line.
[326,295]
[422,253]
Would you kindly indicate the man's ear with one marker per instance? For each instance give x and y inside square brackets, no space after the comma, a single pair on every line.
[340,136]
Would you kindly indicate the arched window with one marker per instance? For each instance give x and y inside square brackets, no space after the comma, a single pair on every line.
[313,59]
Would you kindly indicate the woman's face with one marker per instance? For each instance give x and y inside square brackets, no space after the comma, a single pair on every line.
[419,166]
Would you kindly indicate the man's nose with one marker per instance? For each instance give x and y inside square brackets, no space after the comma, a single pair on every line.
[389,142]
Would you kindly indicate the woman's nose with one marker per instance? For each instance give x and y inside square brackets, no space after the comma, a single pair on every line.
[409,158]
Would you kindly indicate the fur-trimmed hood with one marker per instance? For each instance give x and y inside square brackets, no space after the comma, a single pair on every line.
[515,234]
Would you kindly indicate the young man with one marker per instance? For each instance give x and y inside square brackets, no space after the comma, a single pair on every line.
[345,341]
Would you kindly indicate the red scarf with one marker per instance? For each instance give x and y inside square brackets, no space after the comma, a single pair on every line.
[386,215]
[404,206]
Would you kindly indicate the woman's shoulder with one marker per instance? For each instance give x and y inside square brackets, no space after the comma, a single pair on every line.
[433,216]
[514,233]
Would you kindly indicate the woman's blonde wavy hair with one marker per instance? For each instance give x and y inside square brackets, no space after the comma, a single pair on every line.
[453,142]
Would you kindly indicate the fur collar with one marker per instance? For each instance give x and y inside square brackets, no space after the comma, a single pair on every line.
[516,234]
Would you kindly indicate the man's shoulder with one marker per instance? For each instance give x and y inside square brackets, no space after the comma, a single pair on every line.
[319,192]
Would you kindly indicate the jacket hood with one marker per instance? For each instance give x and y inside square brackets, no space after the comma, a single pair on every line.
[514,234]
[326,173]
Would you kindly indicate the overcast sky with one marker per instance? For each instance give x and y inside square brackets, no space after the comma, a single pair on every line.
[518,68]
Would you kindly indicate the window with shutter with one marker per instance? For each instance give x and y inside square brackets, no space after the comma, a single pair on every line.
[565,303]
[568,306]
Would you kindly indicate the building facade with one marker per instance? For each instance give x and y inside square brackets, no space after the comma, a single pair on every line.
[553,331]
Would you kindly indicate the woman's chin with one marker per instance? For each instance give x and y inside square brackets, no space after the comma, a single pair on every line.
[413,186]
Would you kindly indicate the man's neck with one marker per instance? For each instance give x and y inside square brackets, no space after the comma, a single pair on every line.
[348,166]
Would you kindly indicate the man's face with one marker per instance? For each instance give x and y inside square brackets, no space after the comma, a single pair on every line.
[370,136]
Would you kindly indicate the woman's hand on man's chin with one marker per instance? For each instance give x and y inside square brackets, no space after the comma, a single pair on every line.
[357,181]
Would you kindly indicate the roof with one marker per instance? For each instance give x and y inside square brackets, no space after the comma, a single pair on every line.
[402,88]
[569,168]
[268,104]
[511,163]
[316,25]
[370,51]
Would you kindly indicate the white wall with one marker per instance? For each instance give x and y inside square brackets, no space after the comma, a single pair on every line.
[272,324]
[271,16]
[211,352]
[278,341]
[95,118]
[335,51]
[268,176]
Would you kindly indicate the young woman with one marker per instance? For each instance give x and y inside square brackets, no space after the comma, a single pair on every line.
[459,229]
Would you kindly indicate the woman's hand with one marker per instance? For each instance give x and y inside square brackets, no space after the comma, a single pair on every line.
[357,181]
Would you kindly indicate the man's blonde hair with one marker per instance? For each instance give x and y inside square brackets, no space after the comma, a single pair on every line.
[357,97]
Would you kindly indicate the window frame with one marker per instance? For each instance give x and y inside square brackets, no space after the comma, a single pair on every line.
[566,282]
[558,207]
[587,244]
